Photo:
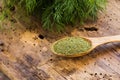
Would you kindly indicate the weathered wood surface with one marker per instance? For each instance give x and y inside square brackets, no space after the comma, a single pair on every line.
[24,56]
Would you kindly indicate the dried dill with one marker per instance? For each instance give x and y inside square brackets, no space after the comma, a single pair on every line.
[72,45]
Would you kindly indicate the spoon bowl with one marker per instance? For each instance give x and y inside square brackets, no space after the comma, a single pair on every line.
[94,42]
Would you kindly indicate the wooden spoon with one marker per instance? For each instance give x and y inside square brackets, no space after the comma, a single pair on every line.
[96,41]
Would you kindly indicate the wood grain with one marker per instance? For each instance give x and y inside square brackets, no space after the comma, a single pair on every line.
[25,56]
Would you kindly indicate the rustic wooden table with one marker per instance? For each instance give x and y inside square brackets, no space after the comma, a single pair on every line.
[24,56]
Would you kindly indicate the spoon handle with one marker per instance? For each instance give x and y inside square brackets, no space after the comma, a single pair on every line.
[102,40]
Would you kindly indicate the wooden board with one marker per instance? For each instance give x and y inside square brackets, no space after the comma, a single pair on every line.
[25,56]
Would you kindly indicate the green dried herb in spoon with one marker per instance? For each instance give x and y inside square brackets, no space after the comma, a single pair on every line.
[79,46]
[71,45]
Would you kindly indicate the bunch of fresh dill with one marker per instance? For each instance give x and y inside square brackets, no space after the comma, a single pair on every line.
[55,14]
